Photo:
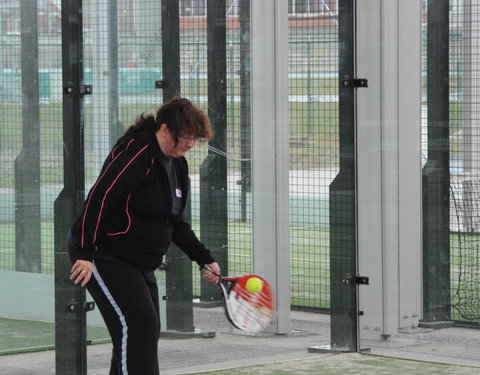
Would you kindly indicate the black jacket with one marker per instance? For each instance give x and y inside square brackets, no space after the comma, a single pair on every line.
[127,213]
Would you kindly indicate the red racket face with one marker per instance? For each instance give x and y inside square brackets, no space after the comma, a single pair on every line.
[250,312]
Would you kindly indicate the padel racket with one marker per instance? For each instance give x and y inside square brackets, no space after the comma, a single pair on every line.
[248,301]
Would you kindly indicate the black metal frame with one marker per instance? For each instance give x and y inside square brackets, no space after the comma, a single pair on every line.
[436,172]
[343,201]
[213,171]
[178,278]
[70,324]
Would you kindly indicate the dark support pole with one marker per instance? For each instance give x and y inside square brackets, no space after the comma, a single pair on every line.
[245,107]
[179,293]
[343,296]
[213,171]
[179,290]
[436,172]
[27,163]
[116,128]
[70,323]
[170,49]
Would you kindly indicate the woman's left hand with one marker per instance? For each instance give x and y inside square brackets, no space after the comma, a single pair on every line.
[81,272]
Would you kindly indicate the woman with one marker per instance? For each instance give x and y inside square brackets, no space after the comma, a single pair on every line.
[130,216]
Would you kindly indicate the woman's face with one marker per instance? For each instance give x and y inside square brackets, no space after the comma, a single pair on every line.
[169,145]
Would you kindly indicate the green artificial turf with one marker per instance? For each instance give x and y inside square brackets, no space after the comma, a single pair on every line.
[26,335]
[351,363]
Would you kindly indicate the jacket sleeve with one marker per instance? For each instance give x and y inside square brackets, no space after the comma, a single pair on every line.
[184,237]
[122,172]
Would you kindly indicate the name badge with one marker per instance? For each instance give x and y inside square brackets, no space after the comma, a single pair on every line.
[178,192]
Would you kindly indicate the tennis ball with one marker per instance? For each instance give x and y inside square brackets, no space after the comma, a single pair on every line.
[254,285]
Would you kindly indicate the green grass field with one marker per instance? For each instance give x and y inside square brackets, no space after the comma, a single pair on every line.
[309,260]
[313,133]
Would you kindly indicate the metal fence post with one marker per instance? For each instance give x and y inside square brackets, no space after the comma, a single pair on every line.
[213,171]
[179,290]
[70,315]
[436,172]
[343,296]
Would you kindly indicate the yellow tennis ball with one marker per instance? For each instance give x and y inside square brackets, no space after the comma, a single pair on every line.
[254,285]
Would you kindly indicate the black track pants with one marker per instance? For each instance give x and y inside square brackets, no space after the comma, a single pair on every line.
[128,301]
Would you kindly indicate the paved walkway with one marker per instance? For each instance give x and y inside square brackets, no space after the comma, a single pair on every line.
[230,350]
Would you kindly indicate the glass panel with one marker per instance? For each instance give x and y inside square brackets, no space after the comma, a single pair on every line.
[446,272]
[31,114]
[450,150]
[458,303]
[322,186]
[122,61]
[464,167]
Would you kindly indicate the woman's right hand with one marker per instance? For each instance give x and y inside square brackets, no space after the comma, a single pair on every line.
[81,272]
[213,272]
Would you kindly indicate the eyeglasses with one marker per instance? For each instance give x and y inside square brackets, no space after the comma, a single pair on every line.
[188,138]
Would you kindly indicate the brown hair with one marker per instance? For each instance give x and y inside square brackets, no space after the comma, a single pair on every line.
[181,118]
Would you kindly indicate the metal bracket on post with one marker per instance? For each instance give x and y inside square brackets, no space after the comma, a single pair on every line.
[84,89]
[161,84]
[355,82]
[347,280]
[77,306]
[356,280]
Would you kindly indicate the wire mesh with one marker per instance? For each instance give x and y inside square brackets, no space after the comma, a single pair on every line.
[122,60]
[30,153]
[313,100]
[235,151]
[464,156]
[39,140]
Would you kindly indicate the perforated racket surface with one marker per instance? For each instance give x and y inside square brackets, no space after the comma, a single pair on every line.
[249,312]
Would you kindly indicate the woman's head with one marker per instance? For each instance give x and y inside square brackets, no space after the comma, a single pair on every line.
[178,125]
[184,120]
